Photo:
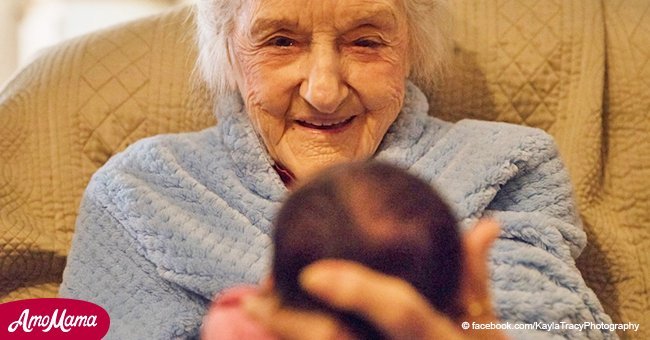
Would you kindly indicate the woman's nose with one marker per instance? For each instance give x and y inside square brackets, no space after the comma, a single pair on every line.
[324,86]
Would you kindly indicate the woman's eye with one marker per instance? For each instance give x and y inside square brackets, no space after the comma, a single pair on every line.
[282,42]
[366,43]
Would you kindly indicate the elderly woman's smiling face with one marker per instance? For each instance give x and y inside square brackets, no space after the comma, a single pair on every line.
[322,80]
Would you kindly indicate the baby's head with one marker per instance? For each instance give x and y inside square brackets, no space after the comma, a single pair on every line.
[375,214]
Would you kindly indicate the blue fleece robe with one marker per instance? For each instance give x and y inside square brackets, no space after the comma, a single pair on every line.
[174,219]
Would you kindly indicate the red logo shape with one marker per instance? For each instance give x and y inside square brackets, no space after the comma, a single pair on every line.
[53,318]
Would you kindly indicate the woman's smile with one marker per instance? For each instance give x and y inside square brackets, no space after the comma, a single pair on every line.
[326,125]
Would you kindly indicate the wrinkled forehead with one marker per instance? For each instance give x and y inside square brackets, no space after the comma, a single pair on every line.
[259,16]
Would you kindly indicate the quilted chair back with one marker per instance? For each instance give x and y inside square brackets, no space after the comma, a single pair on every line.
[578,69]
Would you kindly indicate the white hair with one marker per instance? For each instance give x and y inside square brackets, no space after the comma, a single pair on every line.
[429,41]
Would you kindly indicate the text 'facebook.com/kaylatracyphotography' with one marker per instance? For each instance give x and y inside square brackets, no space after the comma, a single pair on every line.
[552,326]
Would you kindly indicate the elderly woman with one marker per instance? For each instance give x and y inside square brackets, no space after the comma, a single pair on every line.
[303,85]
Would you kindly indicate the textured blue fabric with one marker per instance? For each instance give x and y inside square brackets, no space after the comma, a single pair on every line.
[174,219]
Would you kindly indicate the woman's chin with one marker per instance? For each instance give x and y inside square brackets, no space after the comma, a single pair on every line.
[306,152]
[306,167]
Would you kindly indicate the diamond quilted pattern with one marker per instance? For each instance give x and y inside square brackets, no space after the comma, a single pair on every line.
[532,97]
[14,134]
[64,115]
[516,49]
[111,110]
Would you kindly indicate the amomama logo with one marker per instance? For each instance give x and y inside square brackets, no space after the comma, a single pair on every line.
[53,319]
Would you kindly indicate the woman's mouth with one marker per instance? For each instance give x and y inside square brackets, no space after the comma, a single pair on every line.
[323,125]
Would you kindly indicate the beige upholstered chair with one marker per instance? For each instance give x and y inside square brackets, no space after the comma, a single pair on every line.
[578,69]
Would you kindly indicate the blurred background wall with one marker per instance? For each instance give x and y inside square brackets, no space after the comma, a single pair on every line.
[29,26]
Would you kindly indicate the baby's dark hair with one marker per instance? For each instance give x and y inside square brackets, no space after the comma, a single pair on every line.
[375,214]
